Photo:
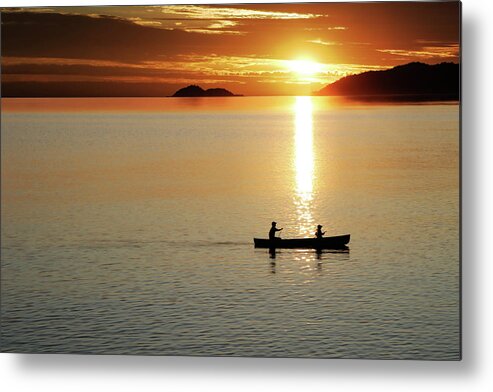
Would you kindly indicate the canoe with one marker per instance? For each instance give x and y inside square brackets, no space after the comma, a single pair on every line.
[336,242]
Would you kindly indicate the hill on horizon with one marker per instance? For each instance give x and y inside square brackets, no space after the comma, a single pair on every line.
[197,91]
[438,81]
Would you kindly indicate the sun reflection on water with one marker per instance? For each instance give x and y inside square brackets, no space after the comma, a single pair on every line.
[304,164]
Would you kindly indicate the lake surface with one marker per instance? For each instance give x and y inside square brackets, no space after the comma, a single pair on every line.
[128,225]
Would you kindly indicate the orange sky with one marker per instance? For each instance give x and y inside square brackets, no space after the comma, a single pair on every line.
[262,49]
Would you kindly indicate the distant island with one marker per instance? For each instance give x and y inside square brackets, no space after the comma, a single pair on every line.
[414,81]
[197,91]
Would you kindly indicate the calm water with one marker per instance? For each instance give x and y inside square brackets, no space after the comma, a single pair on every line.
[127,227]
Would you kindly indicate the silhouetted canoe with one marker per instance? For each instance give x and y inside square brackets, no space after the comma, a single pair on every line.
[336,242]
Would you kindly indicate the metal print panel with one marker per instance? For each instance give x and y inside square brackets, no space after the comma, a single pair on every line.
[268,180]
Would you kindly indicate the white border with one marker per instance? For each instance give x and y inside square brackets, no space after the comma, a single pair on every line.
[88,373]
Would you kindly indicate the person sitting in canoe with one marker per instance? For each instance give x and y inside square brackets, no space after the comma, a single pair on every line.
[319,232]
[272,232]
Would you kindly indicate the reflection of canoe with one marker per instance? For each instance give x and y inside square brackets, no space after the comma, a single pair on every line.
[336,242]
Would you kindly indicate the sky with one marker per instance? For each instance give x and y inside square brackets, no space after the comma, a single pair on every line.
[249,49]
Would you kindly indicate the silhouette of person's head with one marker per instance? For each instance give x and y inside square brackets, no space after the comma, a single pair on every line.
[274,223]
[319,226]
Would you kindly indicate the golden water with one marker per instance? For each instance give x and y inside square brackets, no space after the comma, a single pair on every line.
[127,227]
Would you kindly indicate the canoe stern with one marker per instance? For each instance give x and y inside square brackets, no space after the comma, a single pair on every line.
[335,242]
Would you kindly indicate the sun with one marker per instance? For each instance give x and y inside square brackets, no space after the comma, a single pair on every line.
[304,67]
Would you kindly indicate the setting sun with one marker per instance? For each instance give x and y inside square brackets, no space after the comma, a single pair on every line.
[305,67]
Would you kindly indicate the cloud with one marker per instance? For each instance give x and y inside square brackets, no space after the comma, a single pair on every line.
[44,35]
[212,31]
[322,42]
[330,28]
[427,52]
[207,19]
[230,13]
[432,42]
[221,20]
[183,69]
[215,27]
[144,22]
[11,61]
